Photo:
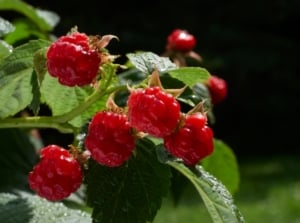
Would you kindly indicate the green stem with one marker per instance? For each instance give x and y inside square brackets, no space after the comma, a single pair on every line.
[100,92]
[36,122]
[59,122]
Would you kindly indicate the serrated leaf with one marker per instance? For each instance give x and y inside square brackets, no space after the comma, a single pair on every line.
[217,199]
[147,62]
[190,75]
[5,27]
[62,99]
[44,22]
[40,67]
[33,209]
[223,165]
[15,78]
[131,193]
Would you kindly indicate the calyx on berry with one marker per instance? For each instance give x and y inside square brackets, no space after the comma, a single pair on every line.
[71,60]
[153,110]
[75,58]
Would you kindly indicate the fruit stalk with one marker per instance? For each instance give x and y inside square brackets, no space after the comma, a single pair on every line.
[36,122]
[59,122]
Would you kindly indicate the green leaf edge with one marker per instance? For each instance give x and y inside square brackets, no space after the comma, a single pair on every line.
[28,11]
[210,205]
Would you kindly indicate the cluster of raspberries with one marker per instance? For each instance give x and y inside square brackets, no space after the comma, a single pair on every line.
[111,135]
[111,140]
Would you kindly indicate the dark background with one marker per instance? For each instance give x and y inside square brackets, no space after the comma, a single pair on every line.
[254,45]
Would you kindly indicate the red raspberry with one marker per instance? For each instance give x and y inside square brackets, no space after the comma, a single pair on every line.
[217,88]
[181,40]
[192,142]
[72,61]
[153,111]
[110,139]
[57,175]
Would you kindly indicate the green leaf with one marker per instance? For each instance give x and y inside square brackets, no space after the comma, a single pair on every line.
[25,29]
[51,18]
[198,94]
[190,75]
[216,197]
[5,27]
[201,94]
[45,20]
[32,209]
[62,99]
[16,76]
[17,157]
[131,193]
[35,103]
[223,165]
[147,62]
[5,49]
[131,76]
[40,70]
[40,67]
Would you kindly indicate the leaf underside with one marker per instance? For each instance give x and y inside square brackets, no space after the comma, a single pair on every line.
[216,197]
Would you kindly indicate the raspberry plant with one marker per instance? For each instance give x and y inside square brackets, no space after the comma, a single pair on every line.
[136,127]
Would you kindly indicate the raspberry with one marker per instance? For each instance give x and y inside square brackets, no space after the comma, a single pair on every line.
[153,111]
[109,138]
[181,40]
[57,175]
[192,142]
[72,61]
[217,88]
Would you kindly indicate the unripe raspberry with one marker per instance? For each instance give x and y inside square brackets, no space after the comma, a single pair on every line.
[217,87]
[192,142]
[110,139]
[153,111]
[181,40]
[57,175]
[72,61]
